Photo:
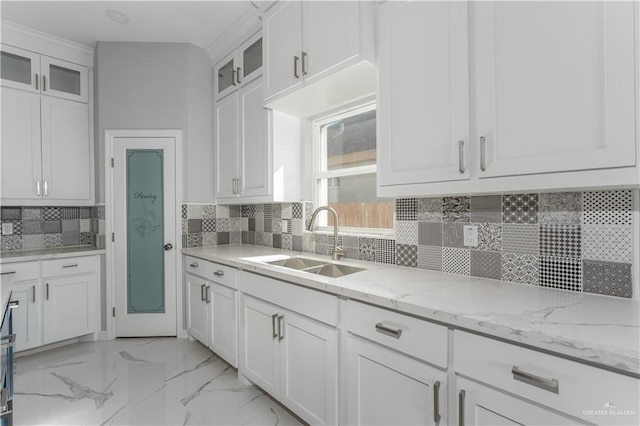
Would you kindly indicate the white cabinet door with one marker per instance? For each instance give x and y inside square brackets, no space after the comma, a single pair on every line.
[26,317]
[253,145]
[309,369]
[386,387]
[19,69]
[483,406]
[197,308]
[225,75]
[331,35]
[283,47]
[423,98]
[554,85]
[260,349]
[66,152]
[250,59]
[69,308]
[64,79]
[226,146]
[21,148]
[223,337]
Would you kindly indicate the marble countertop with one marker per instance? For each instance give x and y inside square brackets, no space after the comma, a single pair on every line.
[49,253]
[598,330]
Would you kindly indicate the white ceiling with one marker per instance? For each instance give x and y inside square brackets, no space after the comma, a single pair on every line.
[85,22]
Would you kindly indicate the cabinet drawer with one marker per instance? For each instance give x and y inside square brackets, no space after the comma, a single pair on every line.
[314,304]
[415,337]
[69,266]
[195,266]
[568,386]
[21,271]
[222,274]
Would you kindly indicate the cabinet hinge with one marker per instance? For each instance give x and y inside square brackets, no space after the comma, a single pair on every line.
[113,237]
[112,162]
[113,311]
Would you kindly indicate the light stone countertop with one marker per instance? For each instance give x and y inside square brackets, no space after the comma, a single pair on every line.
[598,330]
[49,253]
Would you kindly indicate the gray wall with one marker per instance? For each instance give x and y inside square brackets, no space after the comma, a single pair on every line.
[158,86]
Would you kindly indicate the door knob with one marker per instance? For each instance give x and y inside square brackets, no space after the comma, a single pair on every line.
[168,246]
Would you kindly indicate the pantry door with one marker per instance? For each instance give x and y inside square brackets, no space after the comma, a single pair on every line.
[145,245]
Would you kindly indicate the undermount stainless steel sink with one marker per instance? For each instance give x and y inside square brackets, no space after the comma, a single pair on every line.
[318,267]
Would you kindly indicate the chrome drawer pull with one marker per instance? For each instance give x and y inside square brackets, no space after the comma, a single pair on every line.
[7,273]
[388,331]
[273,325]
[551,385]
[219,273]
[461,397]
[194,264]
[436,402]
[280,328]
[73,265]
[461,157]
[207,298]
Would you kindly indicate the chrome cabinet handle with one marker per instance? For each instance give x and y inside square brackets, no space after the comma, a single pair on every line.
[46,188]
[461,156]
[304,63]
[8,273]
[202,297]
[233,77]
[550,385]
[33,288]
[436,402]
[37,81]
[44,83]
[234,185]
[238,186]
[295,66]
[207,294]
[47,291]
[388,331]
[461,397]
[38,188]
[194,264]
[73,265]
[273,325]
[219,273]
[10,341]
[238,75]
[280,328]
[483,159]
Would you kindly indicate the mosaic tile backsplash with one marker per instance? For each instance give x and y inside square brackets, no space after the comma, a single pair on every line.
[577,241]
[35,228]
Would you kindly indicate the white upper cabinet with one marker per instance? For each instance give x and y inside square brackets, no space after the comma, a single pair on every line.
[316,55]
[239,67]
[554,86]
[226,146]
[423,96]
[550,103]
[22,69]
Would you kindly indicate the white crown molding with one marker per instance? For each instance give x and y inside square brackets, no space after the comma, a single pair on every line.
[249,21]
[37,41]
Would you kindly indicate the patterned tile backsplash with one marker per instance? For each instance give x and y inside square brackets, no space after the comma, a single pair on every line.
[36,228]
[577,241]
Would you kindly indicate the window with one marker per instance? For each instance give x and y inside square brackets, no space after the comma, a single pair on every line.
[345,172]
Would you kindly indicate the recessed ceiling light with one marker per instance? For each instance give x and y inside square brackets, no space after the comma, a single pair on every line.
[117,16]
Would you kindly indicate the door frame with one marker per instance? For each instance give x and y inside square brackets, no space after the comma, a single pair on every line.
[109,302]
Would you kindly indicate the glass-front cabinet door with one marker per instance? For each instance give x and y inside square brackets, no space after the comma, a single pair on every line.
[64,79]
[226,79]
[19,68]
[251,58]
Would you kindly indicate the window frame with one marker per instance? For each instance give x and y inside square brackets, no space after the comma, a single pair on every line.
[320,172]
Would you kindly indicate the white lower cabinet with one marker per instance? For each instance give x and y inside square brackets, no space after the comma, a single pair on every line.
[501,383]
[212,307]
[59,303]
[289,355]
[396,368]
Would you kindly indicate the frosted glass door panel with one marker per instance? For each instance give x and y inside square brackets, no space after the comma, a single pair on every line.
[19,68]
[145,234]
[226,76]
[251,57]
[64,80]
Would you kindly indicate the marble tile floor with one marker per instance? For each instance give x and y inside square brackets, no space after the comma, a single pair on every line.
[146,381]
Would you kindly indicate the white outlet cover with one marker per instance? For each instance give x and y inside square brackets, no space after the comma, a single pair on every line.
[7,228]
[470,235]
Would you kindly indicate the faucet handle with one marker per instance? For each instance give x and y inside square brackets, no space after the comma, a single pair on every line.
[338,253]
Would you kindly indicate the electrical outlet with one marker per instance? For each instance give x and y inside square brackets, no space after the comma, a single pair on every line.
[7,228]
[470,235]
